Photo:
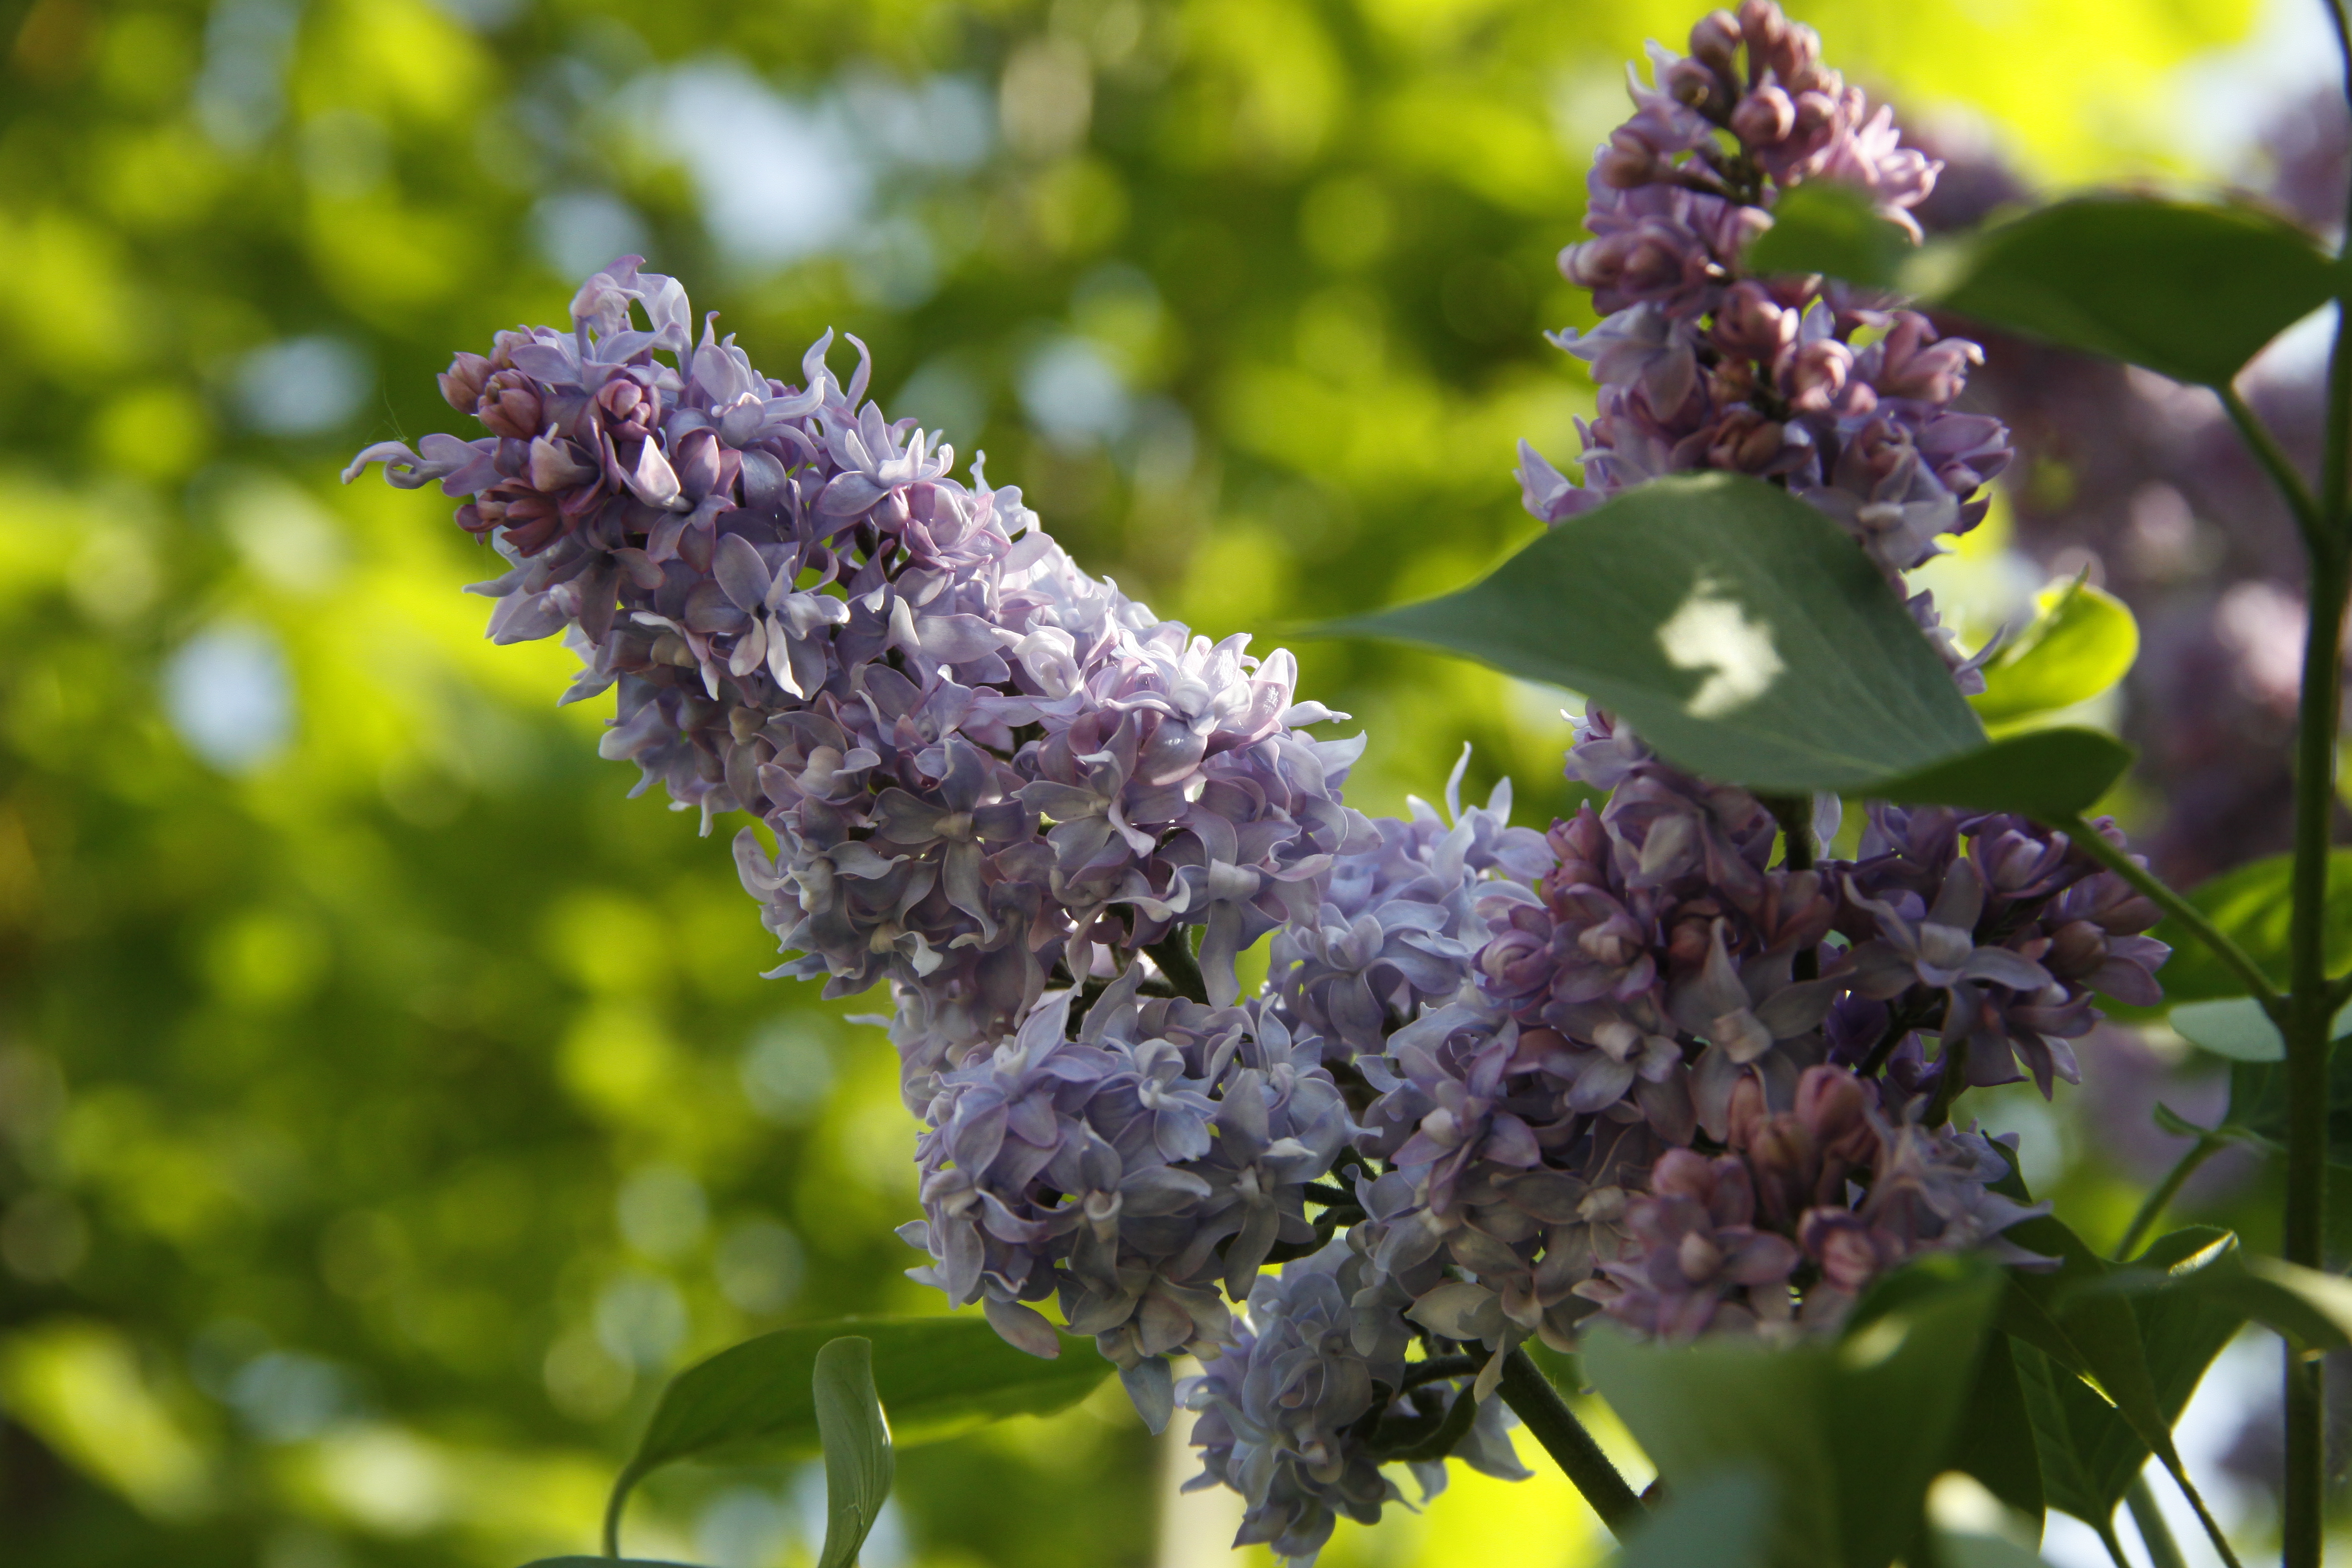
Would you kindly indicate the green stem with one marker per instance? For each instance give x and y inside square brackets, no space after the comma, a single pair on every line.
[2275,463]
[2306,1018]
[2113,1544]
[2192,918]
[2160,1200]
[2163,1551]
[1535,1401]
[1174,954]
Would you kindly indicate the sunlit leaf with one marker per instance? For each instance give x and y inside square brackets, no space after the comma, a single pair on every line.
[2237,1028]
[858,1460]
[2083,642]
[1736,628]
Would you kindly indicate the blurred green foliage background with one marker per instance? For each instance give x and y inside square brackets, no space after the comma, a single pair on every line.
[386,1102]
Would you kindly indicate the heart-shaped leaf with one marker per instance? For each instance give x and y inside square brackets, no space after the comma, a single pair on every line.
[1736,628]
[1741,633]
[858,1460]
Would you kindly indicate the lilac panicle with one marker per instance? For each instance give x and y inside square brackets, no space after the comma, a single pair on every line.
[980,766]
[1847,400]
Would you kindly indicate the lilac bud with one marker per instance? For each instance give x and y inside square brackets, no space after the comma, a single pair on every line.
[461,384]
[1764,118]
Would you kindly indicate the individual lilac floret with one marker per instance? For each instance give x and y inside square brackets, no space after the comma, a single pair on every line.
[1299,1412]
[984,771]
[1129,1173]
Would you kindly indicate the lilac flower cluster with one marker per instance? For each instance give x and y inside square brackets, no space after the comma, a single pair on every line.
[1661,1063]
[1130,1172]
[1840,397]
[978,763]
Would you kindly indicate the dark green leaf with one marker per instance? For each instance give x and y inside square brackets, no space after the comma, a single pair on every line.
[1850,1433]
[1994,1439]
[1720,1521]
[1736,628]
[2251,907]
[938,1376]
[858,1461]
[2045,774]
[2309,1306]
[2258,1101]
[2180,1333]
[605,1563]
[1902,1383]
[1826,227]
[1982,1552]
[2082,643]
[2050,1393]
[2193,291]
[2190,292]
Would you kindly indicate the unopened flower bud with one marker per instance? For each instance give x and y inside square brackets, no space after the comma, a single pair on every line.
[511,405]
[1764,118]
[461,384]
[1715,40]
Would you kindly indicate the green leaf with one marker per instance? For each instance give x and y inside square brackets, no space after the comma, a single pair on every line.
[2048,1390]
[2085,1369]
[1826,227]
[605,1563]
[1721,1522]
[2309,1306]
[2190,292]
[858,1461]
[2252,907]
[2043,774]
[940,1376]
[1736,628]
[2237,1028]
[2180,1333]
[1994,1439]
[2083,642]
[1954,1550]
[1850,1433]
[2258,1105]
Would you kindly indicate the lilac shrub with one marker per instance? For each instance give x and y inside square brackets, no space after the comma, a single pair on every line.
[1662,1064]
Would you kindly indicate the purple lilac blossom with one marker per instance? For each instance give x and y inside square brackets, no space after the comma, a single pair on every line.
[979,764]
[1844,398]
[1633,1067]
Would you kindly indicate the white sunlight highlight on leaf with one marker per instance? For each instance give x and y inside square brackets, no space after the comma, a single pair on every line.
[1713,634]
